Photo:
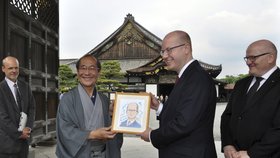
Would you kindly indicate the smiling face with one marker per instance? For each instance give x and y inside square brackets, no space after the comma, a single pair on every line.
[181,53]
[266,59]
[11,68]
[87,72]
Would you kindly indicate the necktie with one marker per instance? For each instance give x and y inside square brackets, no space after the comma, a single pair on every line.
[18,99]
[254,88]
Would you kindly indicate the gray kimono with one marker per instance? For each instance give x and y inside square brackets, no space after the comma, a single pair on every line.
[71,130]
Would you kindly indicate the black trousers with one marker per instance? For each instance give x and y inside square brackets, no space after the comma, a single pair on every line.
[22,154]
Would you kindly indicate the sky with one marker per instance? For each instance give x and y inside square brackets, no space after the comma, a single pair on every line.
[221,30]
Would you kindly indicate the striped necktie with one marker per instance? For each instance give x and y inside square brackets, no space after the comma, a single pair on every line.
[18,99]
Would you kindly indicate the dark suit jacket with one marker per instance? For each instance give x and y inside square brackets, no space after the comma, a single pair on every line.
[135,124]
[10,115]
[186,120]
[254,126]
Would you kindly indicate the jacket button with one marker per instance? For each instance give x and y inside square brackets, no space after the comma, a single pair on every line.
[240,118]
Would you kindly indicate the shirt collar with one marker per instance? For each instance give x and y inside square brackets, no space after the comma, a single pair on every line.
[10,82]
[185,67]
[268,73]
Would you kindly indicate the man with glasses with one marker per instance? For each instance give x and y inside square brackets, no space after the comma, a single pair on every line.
[186,118]
[132,110]
[250,124]
[83,119]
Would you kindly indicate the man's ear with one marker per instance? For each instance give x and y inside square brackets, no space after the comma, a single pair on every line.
[271,58]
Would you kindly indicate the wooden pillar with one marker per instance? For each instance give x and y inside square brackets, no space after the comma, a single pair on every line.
[3,30]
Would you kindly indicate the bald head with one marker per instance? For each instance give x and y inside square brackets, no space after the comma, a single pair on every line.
[9,59]
[10,66]
[262,55]
[264,46]
[180,37]
[176,50]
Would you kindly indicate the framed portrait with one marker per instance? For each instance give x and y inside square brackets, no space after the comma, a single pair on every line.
[131,112]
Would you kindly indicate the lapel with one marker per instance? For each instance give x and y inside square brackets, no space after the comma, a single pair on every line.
[176,89]
[78,109]
[10,96]
[273,79]
[80,112]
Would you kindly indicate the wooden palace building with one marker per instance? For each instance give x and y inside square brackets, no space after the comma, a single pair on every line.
[138,52]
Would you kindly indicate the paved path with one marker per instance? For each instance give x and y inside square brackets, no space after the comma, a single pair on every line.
[134,147]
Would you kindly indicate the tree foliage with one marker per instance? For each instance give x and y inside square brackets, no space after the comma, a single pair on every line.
[67,79]
[108,79]
[233,79]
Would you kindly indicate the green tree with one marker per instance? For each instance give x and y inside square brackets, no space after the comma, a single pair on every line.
[108,79]
[67,79]
[233,79]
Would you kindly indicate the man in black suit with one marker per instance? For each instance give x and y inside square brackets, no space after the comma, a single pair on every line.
[186,119]
[250,124]
[17,104]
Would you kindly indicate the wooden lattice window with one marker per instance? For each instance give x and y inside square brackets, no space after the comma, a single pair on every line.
[45,11]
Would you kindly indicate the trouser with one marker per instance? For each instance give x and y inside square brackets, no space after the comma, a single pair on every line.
[22,154]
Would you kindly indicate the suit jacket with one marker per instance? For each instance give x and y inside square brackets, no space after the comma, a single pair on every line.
[186,120]
[254,126]
[71,134]
[134,124]
[10,116]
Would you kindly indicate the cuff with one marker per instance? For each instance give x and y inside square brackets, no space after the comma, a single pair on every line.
[159,109]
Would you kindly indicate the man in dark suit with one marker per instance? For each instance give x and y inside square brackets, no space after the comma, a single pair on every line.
[250,124]
[186,118]
[17,105]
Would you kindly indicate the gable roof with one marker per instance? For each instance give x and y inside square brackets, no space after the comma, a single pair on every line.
[129,19]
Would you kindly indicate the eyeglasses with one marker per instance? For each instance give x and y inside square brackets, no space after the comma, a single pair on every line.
[169,50]
[254,58]
[90,68]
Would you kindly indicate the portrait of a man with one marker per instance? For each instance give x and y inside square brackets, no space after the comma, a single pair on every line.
[132,111]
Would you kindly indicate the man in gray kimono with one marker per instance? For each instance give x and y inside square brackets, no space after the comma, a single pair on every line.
[83,119]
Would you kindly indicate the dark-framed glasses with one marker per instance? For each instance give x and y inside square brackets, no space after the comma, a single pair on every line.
[88,68]
[254,57]
[169,50]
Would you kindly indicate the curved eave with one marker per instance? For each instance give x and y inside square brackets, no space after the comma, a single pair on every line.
[148,68]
